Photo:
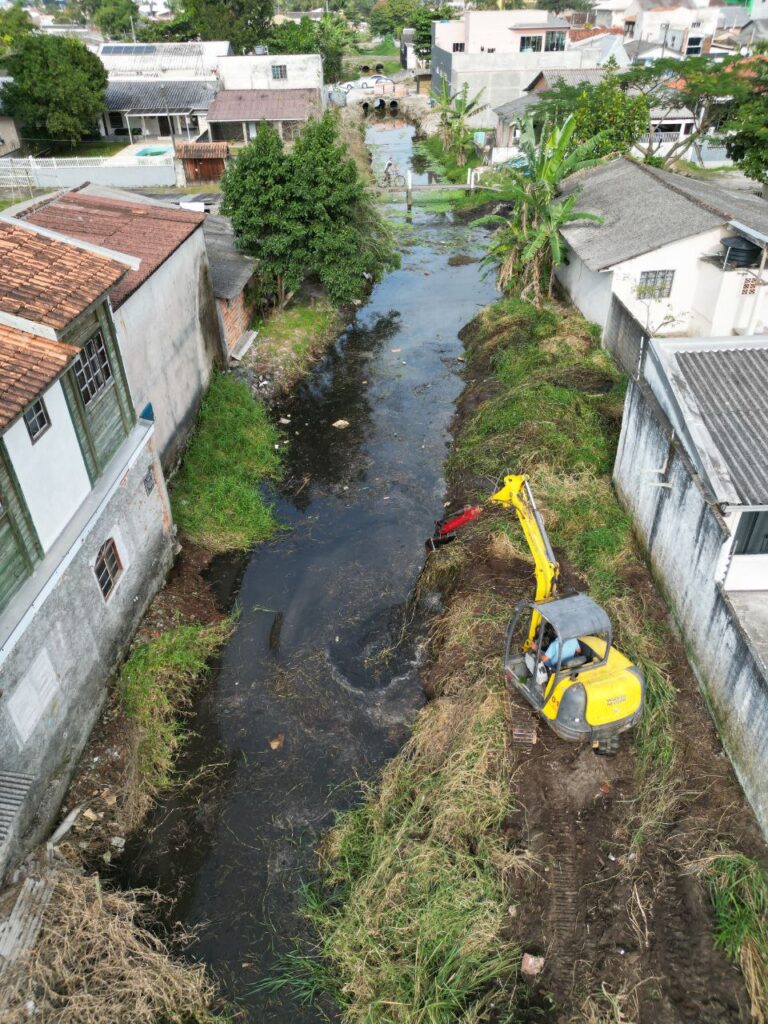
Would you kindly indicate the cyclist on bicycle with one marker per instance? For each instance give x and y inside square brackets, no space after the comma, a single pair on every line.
[389,171]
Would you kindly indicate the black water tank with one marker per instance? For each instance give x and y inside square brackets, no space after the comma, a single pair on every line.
[740,252]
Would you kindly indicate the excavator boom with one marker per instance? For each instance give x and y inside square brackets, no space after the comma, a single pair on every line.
[516,493]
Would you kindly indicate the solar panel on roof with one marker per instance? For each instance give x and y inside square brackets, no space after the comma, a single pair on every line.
[124,49]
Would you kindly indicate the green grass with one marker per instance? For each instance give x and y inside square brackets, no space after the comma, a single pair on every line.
[97,147]
[155,684]
[5,203]
[386,48]
[738,889]
[216,497]
[289,340]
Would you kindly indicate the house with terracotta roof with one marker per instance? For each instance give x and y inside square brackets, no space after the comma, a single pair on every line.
[86,535]
[164,308]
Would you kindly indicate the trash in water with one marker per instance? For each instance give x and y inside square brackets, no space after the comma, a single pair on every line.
[276,743]
[532,965]
[341,424]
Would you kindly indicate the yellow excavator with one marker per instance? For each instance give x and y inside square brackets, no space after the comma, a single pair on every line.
[558,652]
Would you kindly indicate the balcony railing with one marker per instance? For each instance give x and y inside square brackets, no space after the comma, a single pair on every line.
[661,137]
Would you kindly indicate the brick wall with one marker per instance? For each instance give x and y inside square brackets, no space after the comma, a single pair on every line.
[236,317]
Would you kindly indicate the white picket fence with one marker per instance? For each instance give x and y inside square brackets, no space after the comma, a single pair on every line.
[65,172]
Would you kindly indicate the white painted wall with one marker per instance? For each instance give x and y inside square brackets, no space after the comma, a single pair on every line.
[590,290]
[304,70]
[168,336]
[51,472]
[479,30]
[9,136]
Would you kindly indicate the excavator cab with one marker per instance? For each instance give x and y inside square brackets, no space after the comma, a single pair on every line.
[587,690]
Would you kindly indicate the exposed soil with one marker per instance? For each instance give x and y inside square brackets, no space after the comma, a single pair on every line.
[461,260]
[636,925]
[104,783]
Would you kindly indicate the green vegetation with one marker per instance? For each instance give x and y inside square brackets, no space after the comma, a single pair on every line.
[386,47]
[15,24]
[155,685]
[216,497]
[330,37]
[87,147]
[58,88]
[290,340]
[454,113]
[411,913]
[738,888]
[274,199]
[442,161]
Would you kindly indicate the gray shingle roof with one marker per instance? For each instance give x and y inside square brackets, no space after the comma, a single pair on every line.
[147,96]
[231,270]
[514,109]
[644,209]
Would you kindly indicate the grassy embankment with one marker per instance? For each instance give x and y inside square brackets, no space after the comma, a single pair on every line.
[290,340]
[410,911]
[216,496]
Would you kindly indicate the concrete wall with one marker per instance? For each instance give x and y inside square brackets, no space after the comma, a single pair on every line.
[304,70]
[169,340]
[55,665]
[481,30]
[53,465]
[501,76]
[9,136]
[51,173]
[590,290]
[685,535]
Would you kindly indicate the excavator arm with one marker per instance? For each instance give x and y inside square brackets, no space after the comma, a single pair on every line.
[516,493]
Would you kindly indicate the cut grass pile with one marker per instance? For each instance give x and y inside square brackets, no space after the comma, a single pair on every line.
[289,340]
[96,962]
[738,889]
[155,685]
[217,498]
[417,883]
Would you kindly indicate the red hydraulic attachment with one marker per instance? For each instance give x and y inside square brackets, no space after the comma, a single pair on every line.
[445,529]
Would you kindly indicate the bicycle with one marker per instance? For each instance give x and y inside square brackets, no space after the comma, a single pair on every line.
[391,180]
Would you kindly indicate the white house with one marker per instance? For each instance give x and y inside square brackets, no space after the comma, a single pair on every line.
[273,71]
[500,52]
[657,258]
[673,28]
[164,309]
[86,535]
[692,470]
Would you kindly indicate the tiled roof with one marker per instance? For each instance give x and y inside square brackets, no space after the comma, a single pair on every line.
[150,232]
[264,105]
[202,150]
[147,96]
[28,364]
[579,34]
[46,280]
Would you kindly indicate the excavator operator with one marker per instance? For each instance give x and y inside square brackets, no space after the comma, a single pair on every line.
[571,649]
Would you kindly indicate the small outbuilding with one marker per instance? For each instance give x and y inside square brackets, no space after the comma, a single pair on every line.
[232,273]
[203,161]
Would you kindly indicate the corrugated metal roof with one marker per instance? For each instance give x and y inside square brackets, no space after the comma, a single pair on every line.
[264,105]
[156,96]
[730,388]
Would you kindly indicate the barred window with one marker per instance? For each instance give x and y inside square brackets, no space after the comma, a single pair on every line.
[279,70]
[458,47]
[750,285]
[531,44]
[107,568]
[92,370]
[554,42]
[36,419]
[655,284]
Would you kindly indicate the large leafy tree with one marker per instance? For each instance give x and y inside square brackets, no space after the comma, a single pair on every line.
[709,89]
[58,87]
[329,37]
[15,25]
[527,245]
[245,23]
[747,139]
[117,19]
[422,25]
[306,212]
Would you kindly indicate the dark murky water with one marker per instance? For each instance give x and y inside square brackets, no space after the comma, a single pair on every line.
[321,663]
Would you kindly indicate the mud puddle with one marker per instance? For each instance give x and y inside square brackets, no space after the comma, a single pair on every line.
[319,684]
